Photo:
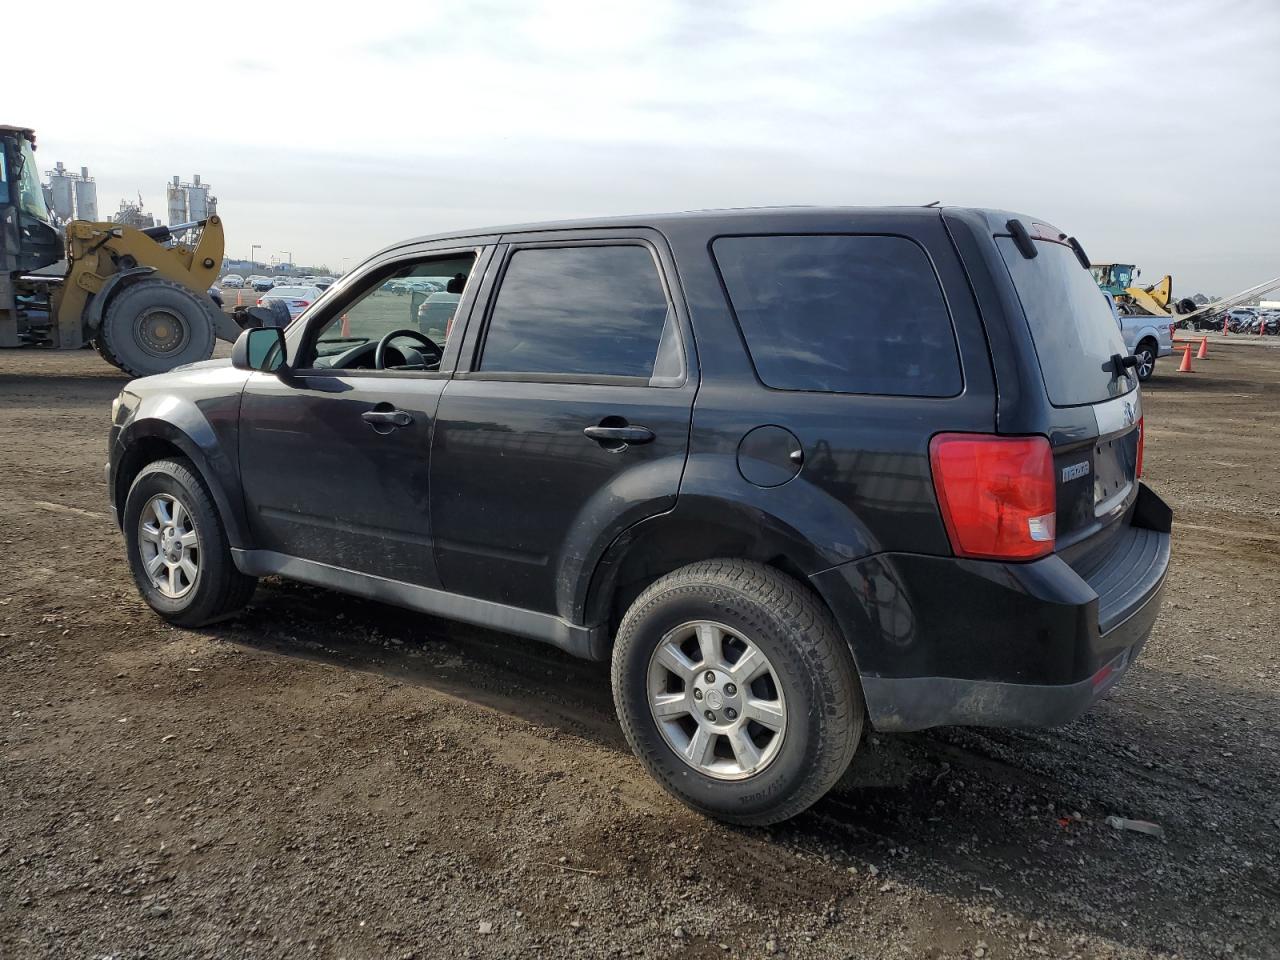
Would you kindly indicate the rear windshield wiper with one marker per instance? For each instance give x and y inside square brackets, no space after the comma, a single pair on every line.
[1022,239]
[1079,250]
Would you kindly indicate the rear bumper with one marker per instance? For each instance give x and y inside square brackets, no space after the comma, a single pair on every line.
[942,641]
[916,703]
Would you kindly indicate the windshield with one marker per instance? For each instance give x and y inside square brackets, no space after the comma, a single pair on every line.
[1074,332]
[26,178]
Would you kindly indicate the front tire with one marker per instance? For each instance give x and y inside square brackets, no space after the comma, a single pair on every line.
[736,691]
[177,547]
[1146,354]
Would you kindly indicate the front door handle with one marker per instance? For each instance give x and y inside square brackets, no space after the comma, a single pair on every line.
[617,437]
[386,418]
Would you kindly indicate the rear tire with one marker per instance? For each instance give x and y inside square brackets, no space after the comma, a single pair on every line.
[177,547]
[736,620]
[153,326]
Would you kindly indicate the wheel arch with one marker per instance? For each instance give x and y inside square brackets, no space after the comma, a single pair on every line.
[659,545]
[96,308]
[148,439]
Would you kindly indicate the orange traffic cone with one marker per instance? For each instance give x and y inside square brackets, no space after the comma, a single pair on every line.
[1185,366]
[239,298]
[1203,352]
[346,325]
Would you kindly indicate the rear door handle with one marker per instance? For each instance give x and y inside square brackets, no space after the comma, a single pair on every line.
[387,418]
[615,437]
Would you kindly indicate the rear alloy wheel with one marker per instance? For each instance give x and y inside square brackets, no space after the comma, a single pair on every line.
[153,326]
[1146,354]
[736,691]
[725,719]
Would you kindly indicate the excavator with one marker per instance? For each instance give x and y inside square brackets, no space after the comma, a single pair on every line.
[139,296]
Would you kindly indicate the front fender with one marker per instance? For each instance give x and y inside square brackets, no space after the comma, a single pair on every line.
[204,432]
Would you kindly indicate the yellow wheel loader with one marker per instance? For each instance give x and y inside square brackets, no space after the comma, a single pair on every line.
[140,296]
[1119,280]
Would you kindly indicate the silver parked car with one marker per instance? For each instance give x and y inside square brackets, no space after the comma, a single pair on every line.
[296,299]
[1145,336]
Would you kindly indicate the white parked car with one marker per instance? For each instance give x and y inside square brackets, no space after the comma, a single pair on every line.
[233,280]
[295,298]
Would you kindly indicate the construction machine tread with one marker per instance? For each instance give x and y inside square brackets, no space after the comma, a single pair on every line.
[105,353]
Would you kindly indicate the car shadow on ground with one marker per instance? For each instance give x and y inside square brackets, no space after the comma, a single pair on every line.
[1011,822]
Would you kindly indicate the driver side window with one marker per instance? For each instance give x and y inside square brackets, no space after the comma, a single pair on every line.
[421,297]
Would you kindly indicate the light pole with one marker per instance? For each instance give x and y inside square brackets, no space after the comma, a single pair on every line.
[252,248]
[289,258]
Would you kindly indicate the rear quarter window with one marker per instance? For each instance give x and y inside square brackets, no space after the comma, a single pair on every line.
[841,314]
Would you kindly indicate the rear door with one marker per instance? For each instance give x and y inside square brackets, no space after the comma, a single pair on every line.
[1096,405]
[568,418]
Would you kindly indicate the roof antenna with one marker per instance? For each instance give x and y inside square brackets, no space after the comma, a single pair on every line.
[934,204]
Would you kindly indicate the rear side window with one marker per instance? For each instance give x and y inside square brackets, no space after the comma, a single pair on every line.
[591,310]
[1072,326]
[841,314]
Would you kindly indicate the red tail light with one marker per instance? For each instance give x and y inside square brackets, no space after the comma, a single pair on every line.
[1142,442]
[259,301]
[997,494]
[1172,327]
[302,303]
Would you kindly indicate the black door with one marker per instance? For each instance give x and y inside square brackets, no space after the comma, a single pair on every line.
[334,457]
[571,423]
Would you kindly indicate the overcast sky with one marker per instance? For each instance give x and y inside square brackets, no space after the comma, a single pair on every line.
[1150,130]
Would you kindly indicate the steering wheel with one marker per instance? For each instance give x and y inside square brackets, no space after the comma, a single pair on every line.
[380,354]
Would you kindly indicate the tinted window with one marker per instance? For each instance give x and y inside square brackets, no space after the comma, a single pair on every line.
[577,310]
[841,314]
[1071,324]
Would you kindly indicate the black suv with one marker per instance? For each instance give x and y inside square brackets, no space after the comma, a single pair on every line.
[792,470]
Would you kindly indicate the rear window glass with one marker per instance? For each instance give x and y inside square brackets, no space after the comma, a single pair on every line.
[841,314]
[1074,331]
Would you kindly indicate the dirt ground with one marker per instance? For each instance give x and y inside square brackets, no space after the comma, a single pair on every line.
[327,777]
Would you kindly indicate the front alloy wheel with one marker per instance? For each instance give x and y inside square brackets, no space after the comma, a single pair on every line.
[177,546]
[169,545]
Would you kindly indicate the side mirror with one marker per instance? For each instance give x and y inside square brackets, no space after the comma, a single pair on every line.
[261,348]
